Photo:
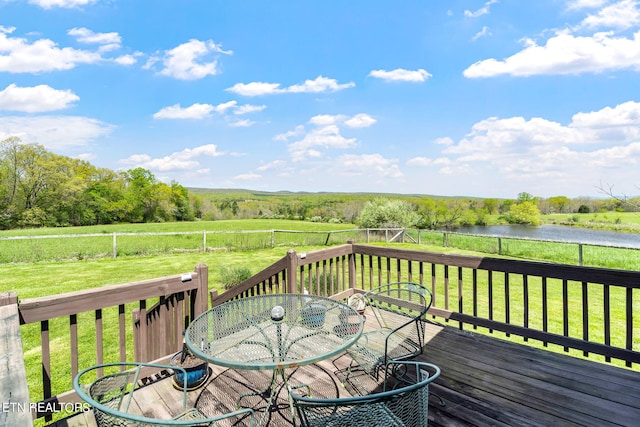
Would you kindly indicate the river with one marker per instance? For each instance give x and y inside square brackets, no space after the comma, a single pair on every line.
[558,232]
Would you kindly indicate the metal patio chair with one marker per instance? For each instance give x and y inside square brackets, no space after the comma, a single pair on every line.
[113,396]
[402,400]
[398,311]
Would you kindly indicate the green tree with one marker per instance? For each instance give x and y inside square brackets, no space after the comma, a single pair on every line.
[560,203]
[491,205]
[384,213]
[525,212]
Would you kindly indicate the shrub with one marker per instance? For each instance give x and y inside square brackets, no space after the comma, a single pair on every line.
[232,276]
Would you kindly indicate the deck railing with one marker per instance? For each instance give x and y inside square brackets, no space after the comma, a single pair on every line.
[591,310]
[109,305]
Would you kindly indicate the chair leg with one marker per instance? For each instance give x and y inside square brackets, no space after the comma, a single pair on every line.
[441,401]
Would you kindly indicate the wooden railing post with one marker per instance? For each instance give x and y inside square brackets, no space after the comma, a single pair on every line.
[201,303]
[352,265]
[14,393]
[292,269]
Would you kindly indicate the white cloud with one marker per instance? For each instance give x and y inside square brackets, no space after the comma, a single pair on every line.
[54,132]
[585,4]
[67,4]
[520,150]
[360,121]
[325,137]
[35,99]
[180,160]
[126,60]
[419,161]
[319,85]
[299,130]
[192,60]
[18,55]
[84,35]
[87,157]
[326,134]
[368,165]
[255,88]
[242,123]
[276,164]
[565,54]
[248,108]
[482,11]
[221,108]
[623,14]
[248,177]
[400,74]
[327,119]
[195,111]
[482,33]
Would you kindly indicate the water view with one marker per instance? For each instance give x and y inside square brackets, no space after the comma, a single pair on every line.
[558,232]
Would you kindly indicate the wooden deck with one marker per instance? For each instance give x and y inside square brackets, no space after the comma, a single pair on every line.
[484,382]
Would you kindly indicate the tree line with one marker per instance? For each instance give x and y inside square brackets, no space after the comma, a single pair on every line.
[42,189]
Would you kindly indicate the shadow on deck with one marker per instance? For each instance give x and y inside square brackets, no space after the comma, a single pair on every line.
[484,382]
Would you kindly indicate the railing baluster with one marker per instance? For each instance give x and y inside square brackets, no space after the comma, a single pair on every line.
[46,362]
[545,309]
[123,334]
[606,297]
[565,310]
[629,304]
[460,296]
[585,315]
[446,287]
[73,338]
[525,301]
[433,285]
[507,301]
[490,295]
[99,340]
[474,285]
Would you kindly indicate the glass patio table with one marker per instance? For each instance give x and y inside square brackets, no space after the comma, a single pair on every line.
[273,332]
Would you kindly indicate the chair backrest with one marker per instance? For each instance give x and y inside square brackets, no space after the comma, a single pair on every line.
[401,401]
[111,394]
[395,305]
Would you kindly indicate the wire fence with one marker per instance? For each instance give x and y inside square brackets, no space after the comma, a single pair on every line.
[15,249]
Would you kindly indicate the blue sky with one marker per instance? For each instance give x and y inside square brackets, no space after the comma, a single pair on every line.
[484,98]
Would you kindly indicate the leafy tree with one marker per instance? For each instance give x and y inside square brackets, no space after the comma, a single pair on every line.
[491,205]
[384,213]
[525,212]
[560,203]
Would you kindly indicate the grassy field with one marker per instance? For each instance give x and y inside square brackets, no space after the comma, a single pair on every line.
[43,278]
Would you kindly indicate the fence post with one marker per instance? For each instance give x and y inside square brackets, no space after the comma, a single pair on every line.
[292,269]
[444,239]
[499,246]
[115,250]
[580,254]
[273,238]
[204,241]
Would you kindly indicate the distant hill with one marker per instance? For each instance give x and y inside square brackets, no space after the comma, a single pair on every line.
[241,193]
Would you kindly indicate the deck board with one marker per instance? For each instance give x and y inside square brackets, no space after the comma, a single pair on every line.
[485,382]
